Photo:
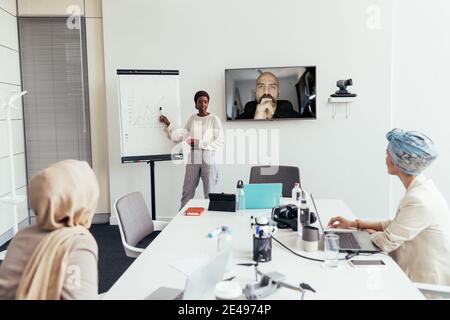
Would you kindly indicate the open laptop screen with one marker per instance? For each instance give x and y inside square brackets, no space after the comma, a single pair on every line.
[317,213]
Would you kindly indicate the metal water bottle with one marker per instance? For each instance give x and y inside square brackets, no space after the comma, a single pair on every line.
[240,196]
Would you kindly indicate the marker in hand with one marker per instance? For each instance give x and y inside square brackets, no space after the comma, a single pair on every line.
[161,112]
[162,118]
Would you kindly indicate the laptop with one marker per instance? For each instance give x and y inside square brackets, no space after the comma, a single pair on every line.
[349,240]
[262,195]
[200,284]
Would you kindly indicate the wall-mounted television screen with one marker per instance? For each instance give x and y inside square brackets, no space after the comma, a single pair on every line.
[271,93]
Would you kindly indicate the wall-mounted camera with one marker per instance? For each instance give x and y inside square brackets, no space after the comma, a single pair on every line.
[343,92]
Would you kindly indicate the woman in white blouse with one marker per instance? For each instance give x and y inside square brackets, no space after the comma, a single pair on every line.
[418,238]
[203,132]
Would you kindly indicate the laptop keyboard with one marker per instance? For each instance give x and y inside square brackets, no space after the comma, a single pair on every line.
[347,240]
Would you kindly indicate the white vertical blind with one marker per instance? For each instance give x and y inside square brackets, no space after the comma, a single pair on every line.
[56,108]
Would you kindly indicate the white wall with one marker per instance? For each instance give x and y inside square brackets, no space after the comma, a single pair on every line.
[10,81]
[338,158]
[421,80]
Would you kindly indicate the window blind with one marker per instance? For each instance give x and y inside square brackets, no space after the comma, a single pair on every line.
[56,108]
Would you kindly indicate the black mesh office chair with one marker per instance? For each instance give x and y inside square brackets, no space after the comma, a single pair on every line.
[276,174]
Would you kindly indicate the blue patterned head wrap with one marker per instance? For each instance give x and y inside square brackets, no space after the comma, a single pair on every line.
[410,151]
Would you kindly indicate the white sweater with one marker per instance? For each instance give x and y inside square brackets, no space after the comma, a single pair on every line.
[208,130]
[418,238]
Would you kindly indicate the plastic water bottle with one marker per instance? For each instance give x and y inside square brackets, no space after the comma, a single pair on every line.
[304,216]
[296,194]
[302,209]
[224,238]
[223,242]
[240,196]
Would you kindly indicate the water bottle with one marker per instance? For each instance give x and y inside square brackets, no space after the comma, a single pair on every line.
[223,242]
[302,210]
[240,196]
[224,238]
[296,194]
[304,216]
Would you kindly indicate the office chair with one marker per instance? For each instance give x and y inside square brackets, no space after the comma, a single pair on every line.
[276,174]
[137,229]
[433,291]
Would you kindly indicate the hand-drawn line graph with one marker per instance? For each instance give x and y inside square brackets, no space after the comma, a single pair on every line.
[143,113]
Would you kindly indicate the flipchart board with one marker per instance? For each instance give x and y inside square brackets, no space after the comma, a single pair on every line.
[145,95]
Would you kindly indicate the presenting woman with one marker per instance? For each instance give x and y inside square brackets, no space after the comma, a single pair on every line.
[56,258]
[418,238]
[203,132]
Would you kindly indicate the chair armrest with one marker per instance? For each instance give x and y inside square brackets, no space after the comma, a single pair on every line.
[131,251]
[159,225]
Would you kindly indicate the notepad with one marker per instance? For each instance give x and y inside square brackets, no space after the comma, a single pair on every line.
[194,211]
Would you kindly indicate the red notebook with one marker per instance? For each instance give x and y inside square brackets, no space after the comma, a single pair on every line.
[194,211]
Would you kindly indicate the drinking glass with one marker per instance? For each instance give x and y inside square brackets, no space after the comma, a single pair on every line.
[331,248]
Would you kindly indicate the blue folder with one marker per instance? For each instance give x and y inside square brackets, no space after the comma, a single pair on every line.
[262,195]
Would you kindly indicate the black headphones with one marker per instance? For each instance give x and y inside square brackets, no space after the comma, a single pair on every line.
[287,216]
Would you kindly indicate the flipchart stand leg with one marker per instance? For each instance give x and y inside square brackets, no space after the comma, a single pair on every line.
[152,188]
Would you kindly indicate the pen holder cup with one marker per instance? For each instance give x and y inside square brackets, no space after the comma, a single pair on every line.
[262,248]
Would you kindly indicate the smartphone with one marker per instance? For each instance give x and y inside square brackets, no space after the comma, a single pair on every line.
[366,263]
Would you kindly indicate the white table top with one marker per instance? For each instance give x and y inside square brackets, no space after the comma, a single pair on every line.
[186,237]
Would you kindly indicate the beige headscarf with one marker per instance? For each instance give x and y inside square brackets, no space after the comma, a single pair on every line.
[64,197]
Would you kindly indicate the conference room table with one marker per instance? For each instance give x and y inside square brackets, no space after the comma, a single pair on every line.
[185,239]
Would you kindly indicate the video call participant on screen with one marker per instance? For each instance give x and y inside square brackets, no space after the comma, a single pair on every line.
[418,238]
[267,105]
[203,131]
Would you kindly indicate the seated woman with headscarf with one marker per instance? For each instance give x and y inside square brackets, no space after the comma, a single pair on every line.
[56,258]
[418,238]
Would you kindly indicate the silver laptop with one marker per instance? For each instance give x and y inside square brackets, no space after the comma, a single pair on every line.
[349,240]
[200,284]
